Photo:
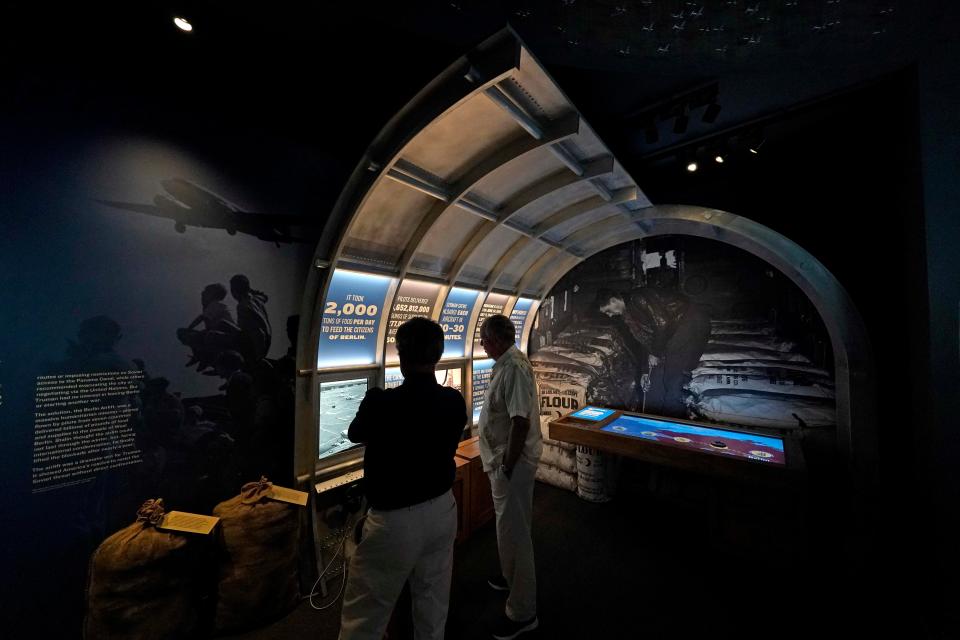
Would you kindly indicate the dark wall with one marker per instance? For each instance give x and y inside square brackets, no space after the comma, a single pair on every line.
[101,110]
[841,179]
[938,442]
[90,237]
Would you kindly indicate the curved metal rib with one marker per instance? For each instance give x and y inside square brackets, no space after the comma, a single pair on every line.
[563,129]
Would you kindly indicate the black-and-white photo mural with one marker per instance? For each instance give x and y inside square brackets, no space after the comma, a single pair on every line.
[684,327]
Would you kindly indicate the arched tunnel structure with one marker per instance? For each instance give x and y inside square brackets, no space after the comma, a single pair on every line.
[489,185]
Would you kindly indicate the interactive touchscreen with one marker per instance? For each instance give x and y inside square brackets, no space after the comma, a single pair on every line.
[735,444]
[352,313]
[520,315]
[339,402]
[455,318]
[592,413]
[453,378]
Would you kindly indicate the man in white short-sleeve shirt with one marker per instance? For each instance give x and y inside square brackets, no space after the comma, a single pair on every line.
[510,447]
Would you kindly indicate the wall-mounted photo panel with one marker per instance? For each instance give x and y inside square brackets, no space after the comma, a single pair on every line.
[520,316]
[352,313]
[482,372]
[339,401]
[455,318]
[414,298]
[493,305]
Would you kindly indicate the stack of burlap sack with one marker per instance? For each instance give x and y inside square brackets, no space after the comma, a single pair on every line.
[583,365]
[749,376]
[149,583]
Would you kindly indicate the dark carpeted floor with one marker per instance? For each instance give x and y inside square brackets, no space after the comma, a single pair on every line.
[671,557]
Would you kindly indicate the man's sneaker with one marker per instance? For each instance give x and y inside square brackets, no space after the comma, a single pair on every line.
[506,629]
[498,583]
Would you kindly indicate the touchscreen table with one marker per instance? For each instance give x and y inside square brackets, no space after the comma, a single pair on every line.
[722,442]
[771,458]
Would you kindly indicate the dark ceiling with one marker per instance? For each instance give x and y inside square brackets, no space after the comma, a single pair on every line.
[328,75]
[331,74]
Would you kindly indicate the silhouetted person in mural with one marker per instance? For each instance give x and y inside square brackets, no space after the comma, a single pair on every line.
[94,348]
[92,352]
[672,329]
[285,397]
[241,403]
[287,364]
[252,318]
[219,332]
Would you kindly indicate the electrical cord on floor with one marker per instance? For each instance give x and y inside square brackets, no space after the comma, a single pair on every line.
[343,581]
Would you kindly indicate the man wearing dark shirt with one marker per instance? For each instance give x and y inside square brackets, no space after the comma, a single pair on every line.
[411,434]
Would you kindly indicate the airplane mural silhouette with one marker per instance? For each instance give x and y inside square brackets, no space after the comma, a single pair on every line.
[189,205]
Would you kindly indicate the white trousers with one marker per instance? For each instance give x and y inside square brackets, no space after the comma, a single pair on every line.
[513,503]
[412,543]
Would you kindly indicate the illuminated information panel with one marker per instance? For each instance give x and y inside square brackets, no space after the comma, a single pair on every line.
[453,378]
[455,318]
[413,299]
[520,316]
[352,314]
[482,372]
[339,402]
[492,306]
[717,441]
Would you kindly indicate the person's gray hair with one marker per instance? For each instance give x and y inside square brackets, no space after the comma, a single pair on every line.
[500,328]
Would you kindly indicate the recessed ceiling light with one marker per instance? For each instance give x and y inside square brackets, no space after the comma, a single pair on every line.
[692,167]
[719,159]
[183,24]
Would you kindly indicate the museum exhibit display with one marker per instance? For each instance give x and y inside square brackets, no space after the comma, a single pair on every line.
[724,235]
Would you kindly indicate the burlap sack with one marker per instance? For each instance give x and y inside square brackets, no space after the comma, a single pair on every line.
[145,583]
[258,569]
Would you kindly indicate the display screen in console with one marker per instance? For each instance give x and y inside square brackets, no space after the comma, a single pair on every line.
[736,444]
[592,413]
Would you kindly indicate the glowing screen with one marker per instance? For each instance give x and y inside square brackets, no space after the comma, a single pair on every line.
[447,377]
[717,441]
[455,318]
[492,306]
[412,300]
[592,413]
[482,372]
[351,319]
[520,315]
[339,402]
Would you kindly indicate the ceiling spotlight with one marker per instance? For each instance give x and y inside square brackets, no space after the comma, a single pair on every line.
[755,140]
[691,167]
[183,24]
[680,126]
[711,113]
[719,159]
